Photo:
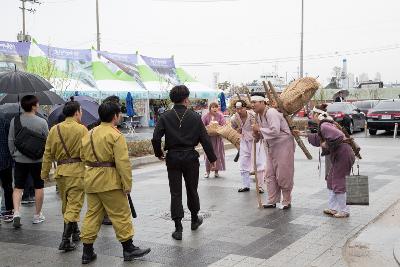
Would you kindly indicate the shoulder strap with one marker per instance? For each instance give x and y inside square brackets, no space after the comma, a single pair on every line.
[62,141]
[17,124]
[91,143]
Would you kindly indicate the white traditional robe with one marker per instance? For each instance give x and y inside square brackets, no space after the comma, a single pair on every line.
[246,149]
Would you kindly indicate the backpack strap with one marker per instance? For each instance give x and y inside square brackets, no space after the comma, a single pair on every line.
[62,141]
[17,125]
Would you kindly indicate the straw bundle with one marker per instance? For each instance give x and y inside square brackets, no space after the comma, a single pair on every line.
[212,128]
[298,94]
[229,134]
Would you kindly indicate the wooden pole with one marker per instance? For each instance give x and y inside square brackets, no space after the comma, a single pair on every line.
[255,174]
[287,118]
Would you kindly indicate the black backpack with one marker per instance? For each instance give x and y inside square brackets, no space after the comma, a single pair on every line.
[28,142]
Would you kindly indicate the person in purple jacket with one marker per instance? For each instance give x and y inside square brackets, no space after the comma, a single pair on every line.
[341,158]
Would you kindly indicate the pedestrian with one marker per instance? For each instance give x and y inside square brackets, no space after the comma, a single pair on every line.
[27,161]
[273,128]
[107,182]
[334,145]
[6,163]
[340,97]
[242,122]
[215,117]
[114,99]
[183,130]
[63,145]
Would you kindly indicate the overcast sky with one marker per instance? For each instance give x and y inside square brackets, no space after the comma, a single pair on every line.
[240,39]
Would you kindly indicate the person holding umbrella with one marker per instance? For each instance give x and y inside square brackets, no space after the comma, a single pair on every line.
[25,162]
[63,145]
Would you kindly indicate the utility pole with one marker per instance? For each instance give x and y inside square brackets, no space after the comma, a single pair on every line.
[301,44]
[98,26]
[22,36]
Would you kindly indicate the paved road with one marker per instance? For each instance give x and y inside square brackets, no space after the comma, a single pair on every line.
[235,232]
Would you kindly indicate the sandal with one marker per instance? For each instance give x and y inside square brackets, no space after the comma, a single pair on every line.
[341,214]
[330,211]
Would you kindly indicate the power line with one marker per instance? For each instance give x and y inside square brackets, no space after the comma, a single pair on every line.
[289,59]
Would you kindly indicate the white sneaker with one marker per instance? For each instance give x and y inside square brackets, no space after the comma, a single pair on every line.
[38,218]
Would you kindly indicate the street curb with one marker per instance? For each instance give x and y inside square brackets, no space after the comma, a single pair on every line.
[140,161]
[396,252]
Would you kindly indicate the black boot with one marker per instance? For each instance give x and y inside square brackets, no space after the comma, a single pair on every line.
[196,222]
[177,235]
[88,254]
[75,232]
[66,243]
[131,252]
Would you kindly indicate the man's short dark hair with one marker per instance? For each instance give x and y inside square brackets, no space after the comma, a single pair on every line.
[70,108]
[108,110]
[258,94]
[112,98]
[28,102]
[179,93]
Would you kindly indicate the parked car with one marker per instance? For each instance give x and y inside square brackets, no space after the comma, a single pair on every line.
[384,116]
[346,114]
[365,105]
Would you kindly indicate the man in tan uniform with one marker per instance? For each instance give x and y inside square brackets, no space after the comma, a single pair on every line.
[107,181]
[63,145]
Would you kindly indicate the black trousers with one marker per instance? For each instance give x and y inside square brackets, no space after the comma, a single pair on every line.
[6,183]
[186,164]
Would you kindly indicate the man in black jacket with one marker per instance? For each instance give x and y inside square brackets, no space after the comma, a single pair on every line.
[183,130]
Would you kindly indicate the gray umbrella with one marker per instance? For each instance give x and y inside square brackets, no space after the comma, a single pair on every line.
[45,98]
[16,82]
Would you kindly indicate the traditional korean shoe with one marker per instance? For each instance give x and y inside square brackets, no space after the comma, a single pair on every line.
[66,243]
[341,214]
[330,211]
[260,190]
[88,254]
[75,232]
[131,252]
[216,175]
[196,224]
[244,189]
[269,206]
[206,175]
[286,207]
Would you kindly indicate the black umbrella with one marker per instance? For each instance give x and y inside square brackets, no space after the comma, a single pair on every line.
[16,82]
[89,113]
[45,98]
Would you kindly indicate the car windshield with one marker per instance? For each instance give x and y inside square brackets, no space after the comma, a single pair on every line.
[336,107]
[388,105]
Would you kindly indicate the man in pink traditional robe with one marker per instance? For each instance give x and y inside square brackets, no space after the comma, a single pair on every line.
[273,128]
[242,122]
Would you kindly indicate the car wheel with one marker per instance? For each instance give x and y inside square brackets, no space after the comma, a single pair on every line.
[372,131]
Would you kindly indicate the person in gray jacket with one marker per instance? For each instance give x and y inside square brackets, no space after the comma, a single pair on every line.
[25,166]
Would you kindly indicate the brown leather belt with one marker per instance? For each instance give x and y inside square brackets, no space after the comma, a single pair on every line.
[100,164]
[68,161]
